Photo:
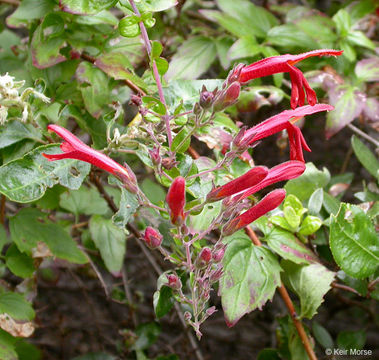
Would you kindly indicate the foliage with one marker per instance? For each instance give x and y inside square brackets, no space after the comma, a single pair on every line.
[139,81]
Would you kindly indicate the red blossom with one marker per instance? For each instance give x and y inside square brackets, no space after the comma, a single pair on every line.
[74,148]
[285,63]
[176,199]
[247,180]
[268,203]
[152,237]
[282,122]
[285,171]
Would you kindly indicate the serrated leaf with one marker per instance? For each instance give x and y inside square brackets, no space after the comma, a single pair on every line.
[202,221]
[289,247]
[365,156]
[354,242]
[310,283]
[16,306]
[85,200]
[251,276]
[85,7]
[26,179]
[110,240]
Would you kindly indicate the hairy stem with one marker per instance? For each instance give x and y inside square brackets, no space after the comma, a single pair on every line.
[146,40]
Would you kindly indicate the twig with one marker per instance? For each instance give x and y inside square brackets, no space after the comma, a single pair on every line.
[11,2]
[146,40]
[345,287]
[128,295]
[2,209]
[289,304]
[99,276]
[363,134]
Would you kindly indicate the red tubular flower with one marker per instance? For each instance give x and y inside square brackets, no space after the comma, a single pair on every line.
[176,199]
[285,171]
[268,203]
[285,63]
[281,122]
[243,182]
[73,148]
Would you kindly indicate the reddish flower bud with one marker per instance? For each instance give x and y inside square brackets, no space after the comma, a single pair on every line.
[174,282]
[153,237]
[216,275]
[227,97]
[74,148]
[210,311]
[176,199]
[155,156]
[218,254]
[251,178]
[206,99]
[204,257]
[268,203]
[285,63]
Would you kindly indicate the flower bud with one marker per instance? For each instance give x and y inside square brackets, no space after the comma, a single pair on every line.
[152,237]
[218,254]
[210,311]
[227,97]
[136,100]
[216,275]
[204,257]
[174,282]
[187,316]
[176,199]
[155,156]
[206,98]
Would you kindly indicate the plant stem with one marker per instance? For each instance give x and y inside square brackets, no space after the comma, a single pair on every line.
[146,40]
[2,209]
[288,302]
[363,134]
[11,2]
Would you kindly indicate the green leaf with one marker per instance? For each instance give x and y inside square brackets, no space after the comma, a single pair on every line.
[360,9]
[3,237]
[157,5]
[202,221]
[348,50]
[365,156]
[16,306]
[20,264]
[163,301]
[315,201]
[117,65]
[153,191]
[312,179]
[291,217]
[244,47]
[156,49]
[310,225]
[268,354]
[45,49]
[251,275]
[192,58]
[7,350]
[368,69]
[26,179]
[310,283]
[85,200]
[258,19]
[289,247]
[181,141]
[360,39]
[16,131]
[290,36]
[29,10]
[322,335]
[110,240]
[162,65]
[27,351]
[127,207]
[30,226]
[95,88]
[129,26]
[351,340]
[354,242]
[330,203]
[86,7]
[343,22]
